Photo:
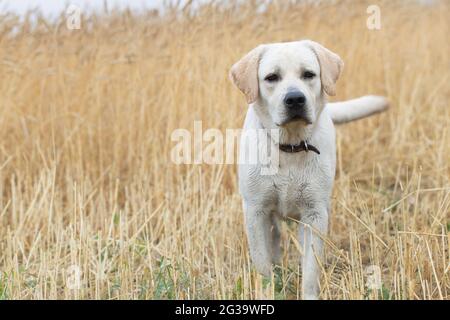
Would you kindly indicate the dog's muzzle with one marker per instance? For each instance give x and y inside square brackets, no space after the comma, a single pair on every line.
[295,104]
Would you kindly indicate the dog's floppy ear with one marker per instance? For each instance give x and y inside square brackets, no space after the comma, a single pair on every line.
[331,66]
[244,74]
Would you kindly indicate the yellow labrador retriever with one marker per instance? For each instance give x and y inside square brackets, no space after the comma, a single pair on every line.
[286,85]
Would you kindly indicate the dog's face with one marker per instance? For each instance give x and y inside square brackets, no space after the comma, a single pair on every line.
[287,82]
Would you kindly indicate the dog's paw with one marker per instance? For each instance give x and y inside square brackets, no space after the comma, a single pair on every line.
[310,297]
[276,258]
[264,269]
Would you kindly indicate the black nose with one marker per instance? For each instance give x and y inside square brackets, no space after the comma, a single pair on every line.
[294,99]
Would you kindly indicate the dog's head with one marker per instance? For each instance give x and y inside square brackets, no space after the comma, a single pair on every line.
[287,82]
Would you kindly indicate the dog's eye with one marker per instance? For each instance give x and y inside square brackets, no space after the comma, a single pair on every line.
[272,77]
[308,74]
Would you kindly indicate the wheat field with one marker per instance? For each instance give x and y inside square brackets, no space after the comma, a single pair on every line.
[91,207]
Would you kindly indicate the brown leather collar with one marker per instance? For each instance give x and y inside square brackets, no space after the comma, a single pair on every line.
[302,146]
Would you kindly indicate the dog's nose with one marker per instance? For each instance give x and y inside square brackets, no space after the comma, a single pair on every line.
[294,99]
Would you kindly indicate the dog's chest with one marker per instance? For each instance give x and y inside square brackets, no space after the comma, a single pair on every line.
[296,191]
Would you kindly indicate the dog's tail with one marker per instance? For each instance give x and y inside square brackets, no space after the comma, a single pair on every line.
[346,111]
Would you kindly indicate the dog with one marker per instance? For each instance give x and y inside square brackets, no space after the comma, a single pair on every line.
[286,86]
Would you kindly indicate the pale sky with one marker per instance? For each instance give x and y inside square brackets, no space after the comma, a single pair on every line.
[51,8]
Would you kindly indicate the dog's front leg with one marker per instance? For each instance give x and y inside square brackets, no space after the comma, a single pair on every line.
[314,226]
[258,222]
